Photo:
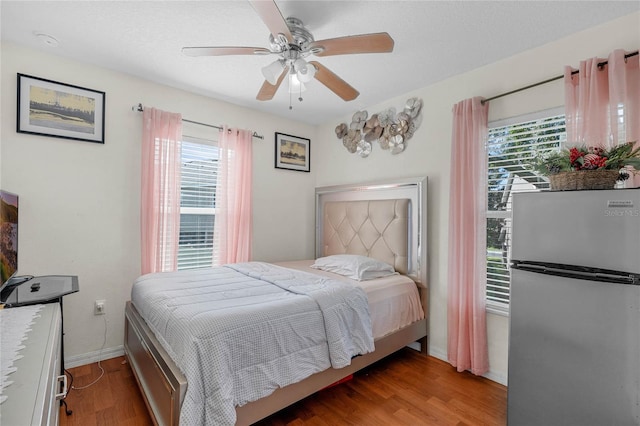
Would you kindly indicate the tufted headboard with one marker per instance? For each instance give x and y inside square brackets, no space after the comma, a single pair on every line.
[373,228]
[385,220]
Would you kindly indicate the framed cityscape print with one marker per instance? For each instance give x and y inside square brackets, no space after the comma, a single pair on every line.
[60,110]
[293,153]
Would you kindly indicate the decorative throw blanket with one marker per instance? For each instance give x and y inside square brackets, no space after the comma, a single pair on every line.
[241,331]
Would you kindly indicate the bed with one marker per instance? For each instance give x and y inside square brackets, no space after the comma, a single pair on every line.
[383,221]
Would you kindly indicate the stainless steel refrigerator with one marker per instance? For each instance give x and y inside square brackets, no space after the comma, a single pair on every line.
[574,334]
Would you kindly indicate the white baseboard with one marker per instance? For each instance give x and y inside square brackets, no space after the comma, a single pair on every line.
[491,375]
[437,353]
[415,346]
[497,377]
[91,357]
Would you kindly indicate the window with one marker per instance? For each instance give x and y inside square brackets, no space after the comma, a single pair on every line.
[511,146]
[197,203]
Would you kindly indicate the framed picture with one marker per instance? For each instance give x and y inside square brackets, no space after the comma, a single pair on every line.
[49,108]
[293,153]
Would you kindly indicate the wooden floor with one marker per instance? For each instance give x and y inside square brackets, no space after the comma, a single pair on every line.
[403,389]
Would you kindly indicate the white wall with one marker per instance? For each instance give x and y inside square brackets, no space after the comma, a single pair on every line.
[428,152]
[79,201]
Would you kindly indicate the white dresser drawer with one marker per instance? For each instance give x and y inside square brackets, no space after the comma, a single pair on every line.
[32,395]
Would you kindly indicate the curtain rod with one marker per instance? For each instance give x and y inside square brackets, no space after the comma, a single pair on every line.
[600,65]
[140,108]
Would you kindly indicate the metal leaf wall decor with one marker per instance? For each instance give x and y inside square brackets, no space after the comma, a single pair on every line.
[390,129]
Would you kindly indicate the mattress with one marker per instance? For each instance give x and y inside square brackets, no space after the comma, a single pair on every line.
[394,301]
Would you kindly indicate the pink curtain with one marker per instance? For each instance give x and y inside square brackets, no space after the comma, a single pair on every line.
[160,204]
[233,227]
[467,329]
[603,103]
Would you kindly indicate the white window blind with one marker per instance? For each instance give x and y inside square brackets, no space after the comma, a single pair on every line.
[511,147]
[197,203]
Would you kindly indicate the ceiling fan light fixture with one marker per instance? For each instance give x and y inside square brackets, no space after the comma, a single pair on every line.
[272,71]
[295,85]
[305,71]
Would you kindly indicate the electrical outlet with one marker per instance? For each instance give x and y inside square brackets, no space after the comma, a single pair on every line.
[100,307]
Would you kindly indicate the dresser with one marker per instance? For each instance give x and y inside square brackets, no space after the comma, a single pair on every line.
[32,398]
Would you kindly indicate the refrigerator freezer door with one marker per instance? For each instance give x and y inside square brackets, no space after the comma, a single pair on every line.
[599,229]
[574,352]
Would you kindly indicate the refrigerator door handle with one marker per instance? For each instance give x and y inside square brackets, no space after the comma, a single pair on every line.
[577,272]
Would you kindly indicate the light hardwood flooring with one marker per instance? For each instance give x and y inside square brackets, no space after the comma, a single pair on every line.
[405,388]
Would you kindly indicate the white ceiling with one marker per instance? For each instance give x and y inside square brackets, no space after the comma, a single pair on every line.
[434,40]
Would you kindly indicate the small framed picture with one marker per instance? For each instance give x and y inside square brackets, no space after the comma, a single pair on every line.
[49,108]
[293,153]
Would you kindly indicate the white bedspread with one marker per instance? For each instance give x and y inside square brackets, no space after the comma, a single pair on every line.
[240,331]
[394,301]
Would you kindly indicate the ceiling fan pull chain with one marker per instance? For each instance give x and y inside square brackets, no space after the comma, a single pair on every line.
[290,107]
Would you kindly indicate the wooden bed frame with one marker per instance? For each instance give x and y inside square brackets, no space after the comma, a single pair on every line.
[163,385]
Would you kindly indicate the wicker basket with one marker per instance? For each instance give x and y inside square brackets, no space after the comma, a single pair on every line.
[583,179]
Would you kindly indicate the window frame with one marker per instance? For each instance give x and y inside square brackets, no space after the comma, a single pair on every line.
[190,210]
[492,306]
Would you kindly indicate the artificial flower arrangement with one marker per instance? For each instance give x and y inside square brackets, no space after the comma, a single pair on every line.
[609,164]
[593,158]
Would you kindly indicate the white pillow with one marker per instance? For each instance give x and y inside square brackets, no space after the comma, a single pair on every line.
[353,266]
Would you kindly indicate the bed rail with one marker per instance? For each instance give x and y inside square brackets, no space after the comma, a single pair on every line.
[163,384]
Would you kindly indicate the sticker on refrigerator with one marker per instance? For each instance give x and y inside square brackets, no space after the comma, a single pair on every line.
[620,208]
[622,204]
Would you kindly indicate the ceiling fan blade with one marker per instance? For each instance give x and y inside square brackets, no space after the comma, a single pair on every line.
[334,83]
[222,51]
[363,43]
[268,90]
[271,16]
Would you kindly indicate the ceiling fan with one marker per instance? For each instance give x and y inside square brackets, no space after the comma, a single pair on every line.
[292,43]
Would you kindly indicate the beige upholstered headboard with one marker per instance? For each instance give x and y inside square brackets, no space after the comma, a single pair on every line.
[384,220]
[373,228]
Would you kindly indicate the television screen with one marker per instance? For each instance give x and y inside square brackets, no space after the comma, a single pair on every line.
[8,236]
